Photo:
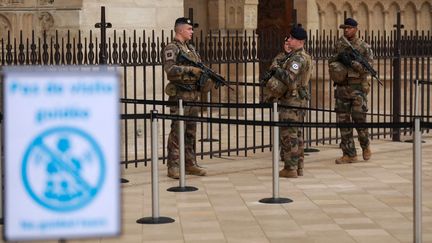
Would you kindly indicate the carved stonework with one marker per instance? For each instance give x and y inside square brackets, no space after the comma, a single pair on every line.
[46,2]
[5,26]
[46,23]
[250,19]
[17,2]
[234,14]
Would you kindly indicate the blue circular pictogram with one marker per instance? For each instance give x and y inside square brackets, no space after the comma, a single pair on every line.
[63,169]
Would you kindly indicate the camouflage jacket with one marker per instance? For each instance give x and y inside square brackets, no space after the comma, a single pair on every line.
[295,73]
[364,49]
[278,58]
[179,72]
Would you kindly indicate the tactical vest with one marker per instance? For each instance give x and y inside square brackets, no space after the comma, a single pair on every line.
[297,93]
[188,50]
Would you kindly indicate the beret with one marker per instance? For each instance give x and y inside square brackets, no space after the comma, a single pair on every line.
[298,33]
[348,23]
[183,20]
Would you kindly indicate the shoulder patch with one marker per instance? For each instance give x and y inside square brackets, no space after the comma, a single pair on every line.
[295,67]
[169,55]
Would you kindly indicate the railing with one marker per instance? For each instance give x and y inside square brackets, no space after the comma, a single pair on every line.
[238,56]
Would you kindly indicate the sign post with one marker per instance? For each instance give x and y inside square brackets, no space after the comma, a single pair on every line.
[61,153]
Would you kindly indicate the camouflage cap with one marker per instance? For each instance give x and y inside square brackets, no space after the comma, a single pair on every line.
[348,23]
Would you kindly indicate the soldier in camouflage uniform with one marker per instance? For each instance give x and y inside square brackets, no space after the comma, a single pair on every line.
[292,77]
[182,85]
[272,92]
[352,88]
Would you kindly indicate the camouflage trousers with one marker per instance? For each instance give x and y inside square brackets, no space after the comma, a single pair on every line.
[351,106]
[292,144]
[173,144]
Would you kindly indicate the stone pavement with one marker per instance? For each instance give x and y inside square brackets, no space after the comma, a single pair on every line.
[362,202]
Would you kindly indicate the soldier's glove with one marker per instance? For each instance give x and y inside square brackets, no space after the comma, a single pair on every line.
[357,66]
[345,59]
[197,72]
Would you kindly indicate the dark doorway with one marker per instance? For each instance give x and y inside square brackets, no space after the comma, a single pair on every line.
[275,15]
[275,19]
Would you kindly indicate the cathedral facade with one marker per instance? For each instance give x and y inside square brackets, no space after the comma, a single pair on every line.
[39,16]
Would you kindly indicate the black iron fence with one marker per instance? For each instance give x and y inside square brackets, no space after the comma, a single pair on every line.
[238,56]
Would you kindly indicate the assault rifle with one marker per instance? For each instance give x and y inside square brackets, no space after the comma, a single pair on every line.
[208,73]
[269,73]
[356,56]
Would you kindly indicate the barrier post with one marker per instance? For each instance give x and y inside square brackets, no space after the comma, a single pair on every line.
[181,187]
[275,169]
[307,149]
[155,218]
[1,166]
[417,181]
[1,152]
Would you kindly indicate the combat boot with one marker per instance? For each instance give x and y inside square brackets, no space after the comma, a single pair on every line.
[288,173]
[174,172]
[195,170]
[300,171]
[300,168]
[346,159]
[367,153]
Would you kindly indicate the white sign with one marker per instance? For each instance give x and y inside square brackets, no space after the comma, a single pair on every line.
[62,176]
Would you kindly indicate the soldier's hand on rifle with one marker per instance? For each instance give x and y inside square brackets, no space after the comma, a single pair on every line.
[357,66]
[345,59]
[195,71]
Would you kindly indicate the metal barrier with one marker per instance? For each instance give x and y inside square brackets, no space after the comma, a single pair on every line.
[238,56]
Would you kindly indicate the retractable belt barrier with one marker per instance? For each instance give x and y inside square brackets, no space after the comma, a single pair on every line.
[416,124]
[280,124]
[235,105]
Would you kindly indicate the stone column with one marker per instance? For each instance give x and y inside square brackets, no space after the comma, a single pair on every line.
[339,18]
[216,10]
[417,19]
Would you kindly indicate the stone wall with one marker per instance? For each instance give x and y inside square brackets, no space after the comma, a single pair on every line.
[371,14]
[38,16]
[63,15]
[132,14]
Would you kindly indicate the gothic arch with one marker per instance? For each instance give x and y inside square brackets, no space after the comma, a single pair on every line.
[5,26]
[391,17]
[346,7]
[330,22]
[362,16]
[409,16]
[320,8]
[378,17]
[425,18]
